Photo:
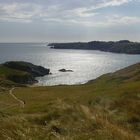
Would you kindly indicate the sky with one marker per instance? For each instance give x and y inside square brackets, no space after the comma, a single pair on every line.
[69,20]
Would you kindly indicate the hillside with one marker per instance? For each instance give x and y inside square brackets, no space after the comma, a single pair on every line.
[18,73]
[123,46]
[107,108]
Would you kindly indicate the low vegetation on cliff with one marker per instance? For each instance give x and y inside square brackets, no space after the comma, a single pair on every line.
[19,72]
[107,108]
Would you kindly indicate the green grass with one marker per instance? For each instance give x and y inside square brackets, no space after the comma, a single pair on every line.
[5,71]
[6,74]
[107,108]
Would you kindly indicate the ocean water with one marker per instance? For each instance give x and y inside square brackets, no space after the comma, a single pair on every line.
[86,64]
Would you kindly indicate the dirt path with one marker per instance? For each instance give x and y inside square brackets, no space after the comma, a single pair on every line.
[21,102]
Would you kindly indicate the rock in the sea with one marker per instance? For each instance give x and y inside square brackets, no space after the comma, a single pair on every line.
[65,70]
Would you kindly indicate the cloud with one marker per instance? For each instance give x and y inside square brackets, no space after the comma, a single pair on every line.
[107,3]
[124,20]
[67,12]
[19,12]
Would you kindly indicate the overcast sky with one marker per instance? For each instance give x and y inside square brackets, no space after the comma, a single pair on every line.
[69,20]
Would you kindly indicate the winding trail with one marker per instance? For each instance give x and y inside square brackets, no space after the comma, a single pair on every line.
[22,103]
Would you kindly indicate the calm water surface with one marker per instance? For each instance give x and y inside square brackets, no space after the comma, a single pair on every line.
[86,64]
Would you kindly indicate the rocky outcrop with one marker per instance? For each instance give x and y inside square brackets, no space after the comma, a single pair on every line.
[24,72]
[34,70]
[65,70]
[22,79]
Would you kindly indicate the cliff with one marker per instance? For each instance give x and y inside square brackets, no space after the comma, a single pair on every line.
[21,72]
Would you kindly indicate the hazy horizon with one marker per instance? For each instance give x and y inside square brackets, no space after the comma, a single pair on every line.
[69,21]
[43,42]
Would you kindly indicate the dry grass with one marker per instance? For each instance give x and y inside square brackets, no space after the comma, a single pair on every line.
[104,109]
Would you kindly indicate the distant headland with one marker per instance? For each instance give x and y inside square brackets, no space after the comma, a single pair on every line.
[122,46]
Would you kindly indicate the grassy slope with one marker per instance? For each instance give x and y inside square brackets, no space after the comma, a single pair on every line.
[5,72]
[104,109]
[19,73]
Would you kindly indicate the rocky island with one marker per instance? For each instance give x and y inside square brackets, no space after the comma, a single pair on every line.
[65,70]
[21,72]
[122,46]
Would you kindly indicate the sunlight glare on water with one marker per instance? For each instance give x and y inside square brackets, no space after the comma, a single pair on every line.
[86,64]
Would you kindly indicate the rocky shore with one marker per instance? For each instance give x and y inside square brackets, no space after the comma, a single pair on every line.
[122,46]
[21,72]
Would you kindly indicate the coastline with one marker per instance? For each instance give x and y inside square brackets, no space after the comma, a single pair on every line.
[69,111]
[122,46]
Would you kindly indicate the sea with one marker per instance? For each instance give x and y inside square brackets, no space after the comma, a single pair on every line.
[86,64]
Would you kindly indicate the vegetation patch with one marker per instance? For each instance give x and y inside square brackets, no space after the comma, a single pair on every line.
[103,109]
